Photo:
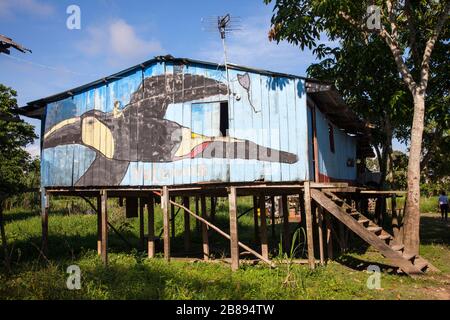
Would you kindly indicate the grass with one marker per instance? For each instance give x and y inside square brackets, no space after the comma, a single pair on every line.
[130,275]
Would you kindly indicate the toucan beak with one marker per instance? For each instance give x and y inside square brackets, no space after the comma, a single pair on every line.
[63,133]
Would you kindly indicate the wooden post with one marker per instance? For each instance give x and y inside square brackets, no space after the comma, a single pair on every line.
[104,211]
[151,227]
[213,209]
[172,218]
[395,220]
[286,232]
[197,212]
[263,229]
[272,215]
[187,226]
[234,241]
[320,230]
[44,221]
[99,224]
[309,229]
[329,237]
[204,229]
[165,204]
[255,219]
[141,222]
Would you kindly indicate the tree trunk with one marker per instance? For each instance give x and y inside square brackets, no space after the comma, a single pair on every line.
[411,223]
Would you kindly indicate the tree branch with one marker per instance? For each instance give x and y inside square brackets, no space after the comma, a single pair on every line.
[412,32]
[425,67]
[391,42]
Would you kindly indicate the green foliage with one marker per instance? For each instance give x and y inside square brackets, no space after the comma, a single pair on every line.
[15,134]
[130,275]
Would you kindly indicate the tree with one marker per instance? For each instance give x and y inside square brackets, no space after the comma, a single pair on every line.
[410,29]
[372,89]
[15,134]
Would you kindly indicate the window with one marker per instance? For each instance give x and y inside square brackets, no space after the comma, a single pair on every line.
[210,118]
[331,137]
[224,125]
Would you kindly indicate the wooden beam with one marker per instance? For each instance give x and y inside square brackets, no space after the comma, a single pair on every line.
[204,229]
[99,224]
[320,231]
[309,228]
[44,222]
[151,226]
[225,235]
[141,222]
[165,204]
[286,231]
[197,212]
[234,246]
[213,209]
[187,226]
[329,237]
[315,146]
[172,218]
[272,215]
[263,229]
[255,220]
[104,212]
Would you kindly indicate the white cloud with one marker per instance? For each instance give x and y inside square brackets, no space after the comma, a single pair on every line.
[250,46]
[33,7]
[34,149]
[119,43]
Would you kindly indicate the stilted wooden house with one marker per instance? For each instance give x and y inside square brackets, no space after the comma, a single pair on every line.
[183,128]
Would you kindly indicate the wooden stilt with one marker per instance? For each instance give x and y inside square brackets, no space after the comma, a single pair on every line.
[141,222]
[395,220]
[263,229]
[104,212]
[320,231]
[234,242]
[213,208]
[255,219]
[272,216]
[197,212]
[44,221]
[151,227]
[99,224]
[172,219]
[329,237]
[286,231]
[204,229]
[165,204]
[187,226]
[309,229]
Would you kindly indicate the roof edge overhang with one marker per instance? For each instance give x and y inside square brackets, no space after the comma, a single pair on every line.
[35,109]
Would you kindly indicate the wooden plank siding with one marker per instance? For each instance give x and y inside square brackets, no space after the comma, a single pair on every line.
[267,110]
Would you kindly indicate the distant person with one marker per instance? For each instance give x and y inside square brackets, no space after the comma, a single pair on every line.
[443,204]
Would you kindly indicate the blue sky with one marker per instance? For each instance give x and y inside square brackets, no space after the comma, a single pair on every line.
[116,34]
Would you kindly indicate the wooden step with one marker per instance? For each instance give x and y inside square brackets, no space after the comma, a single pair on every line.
[409,256]
[422,265]
[384,237]
[374,229]
[397,247]
[363,221]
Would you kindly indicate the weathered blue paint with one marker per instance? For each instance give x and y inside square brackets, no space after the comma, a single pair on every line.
[333,165]
[271,112]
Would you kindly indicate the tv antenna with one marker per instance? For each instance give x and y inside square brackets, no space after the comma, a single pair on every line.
[225,24]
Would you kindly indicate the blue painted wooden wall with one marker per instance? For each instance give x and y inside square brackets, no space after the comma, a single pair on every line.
[272,113]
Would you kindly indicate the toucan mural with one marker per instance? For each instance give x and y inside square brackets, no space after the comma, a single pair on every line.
[139,131]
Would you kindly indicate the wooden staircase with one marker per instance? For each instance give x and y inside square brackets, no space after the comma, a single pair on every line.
[373,234]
